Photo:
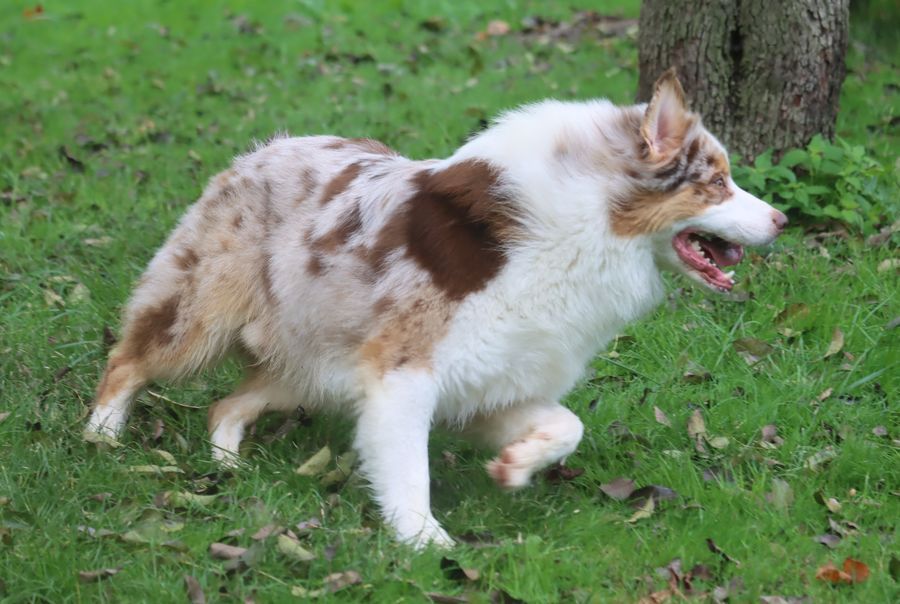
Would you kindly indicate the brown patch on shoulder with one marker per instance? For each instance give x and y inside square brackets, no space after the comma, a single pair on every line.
[187,259]
[458,222]
[152,327]
[339,183]
[648,212]
[237,221]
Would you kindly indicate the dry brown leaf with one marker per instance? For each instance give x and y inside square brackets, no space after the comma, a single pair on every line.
[661,417]
[823,396]
[497,27]
[828,540]
[696,427]
[770,438]
[223,551]
[619,489]
[266,532]
[857,570]
[837,343]
[89,576]
[338,581]
[194,591]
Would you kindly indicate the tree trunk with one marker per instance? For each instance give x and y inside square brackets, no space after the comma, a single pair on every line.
[761,73]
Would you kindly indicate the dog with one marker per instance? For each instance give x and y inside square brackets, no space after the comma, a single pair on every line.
[469,292]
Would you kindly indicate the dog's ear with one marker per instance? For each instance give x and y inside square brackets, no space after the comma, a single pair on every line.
[666,120]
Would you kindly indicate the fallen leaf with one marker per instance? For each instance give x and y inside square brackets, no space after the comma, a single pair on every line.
[823,396]
[837,343]
[888,264]
[782,495]
[455,571]
[166,456]
[752,350]
[562,473]
[695,373]
[770,438]
[96,438]
[89,576]
[879,431]
[661,417]
[818,460]
[266,532]
[316,464]
[184,499]
[644,512]
[223,551]
[696,426]
[343,470]
[152,469]
[497,28]
[828,540]
[337,581]
[292,549]
[194,591]
[619,489]
[718,442]
[783,599]
[857,570]
[696,429]
[653,491]
[4,415]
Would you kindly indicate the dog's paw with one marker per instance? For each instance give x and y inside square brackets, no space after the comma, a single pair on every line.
[431,535]
[508,471]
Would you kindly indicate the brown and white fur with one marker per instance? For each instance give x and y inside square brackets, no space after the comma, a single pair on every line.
[469,292]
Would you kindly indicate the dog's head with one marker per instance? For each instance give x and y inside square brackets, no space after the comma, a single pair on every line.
[681,195]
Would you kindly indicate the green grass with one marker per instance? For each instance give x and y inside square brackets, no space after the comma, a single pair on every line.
[153,98]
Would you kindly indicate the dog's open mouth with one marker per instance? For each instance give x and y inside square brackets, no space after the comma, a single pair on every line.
[705,254]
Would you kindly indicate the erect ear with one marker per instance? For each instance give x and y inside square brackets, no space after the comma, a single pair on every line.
[666,120]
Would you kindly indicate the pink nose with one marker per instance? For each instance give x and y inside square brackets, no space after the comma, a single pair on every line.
[779,220]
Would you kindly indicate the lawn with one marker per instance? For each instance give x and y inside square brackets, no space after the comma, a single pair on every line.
[773,415]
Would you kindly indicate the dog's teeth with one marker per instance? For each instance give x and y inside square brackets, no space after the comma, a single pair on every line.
[730,275]
[696,245]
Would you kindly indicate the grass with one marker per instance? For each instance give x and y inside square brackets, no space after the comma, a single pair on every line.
[150,99]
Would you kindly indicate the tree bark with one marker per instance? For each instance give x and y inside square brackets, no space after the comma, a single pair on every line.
[761,73]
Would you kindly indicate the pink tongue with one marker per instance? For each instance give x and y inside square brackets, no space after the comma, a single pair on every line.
[724,255]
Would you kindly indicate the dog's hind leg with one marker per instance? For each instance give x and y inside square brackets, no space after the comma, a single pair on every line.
[230,417]
[530,436]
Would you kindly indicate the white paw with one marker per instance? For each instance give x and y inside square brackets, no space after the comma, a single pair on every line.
[509,470]
[105,421]
[431,534]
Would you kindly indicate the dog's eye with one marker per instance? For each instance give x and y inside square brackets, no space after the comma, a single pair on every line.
[719,182]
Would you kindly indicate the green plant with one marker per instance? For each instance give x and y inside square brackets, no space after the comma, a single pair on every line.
[825,181]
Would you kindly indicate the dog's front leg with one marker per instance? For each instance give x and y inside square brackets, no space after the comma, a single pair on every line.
[392,440]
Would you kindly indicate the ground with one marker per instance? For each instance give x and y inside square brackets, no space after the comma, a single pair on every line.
[115,114]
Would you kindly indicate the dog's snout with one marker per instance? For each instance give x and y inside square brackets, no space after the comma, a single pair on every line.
[779,220]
